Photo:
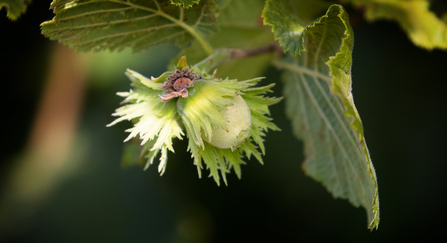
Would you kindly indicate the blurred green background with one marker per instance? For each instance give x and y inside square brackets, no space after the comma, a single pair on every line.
[68,185]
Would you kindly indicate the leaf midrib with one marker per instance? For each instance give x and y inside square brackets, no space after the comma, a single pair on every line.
[334,110]
[331,128]
[306,120]
[314,74]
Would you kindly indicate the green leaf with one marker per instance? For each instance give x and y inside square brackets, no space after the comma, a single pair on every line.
[320,104]
[185,3]
[288,19]
[423,26]
[238,28]
[97,25]
[14,7]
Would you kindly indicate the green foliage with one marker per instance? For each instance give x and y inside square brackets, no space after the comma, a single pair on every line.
[319,102]
[115,24]
[423,26]
[15,7]
[288,19]
[238,28]
[317,76]
[185,3]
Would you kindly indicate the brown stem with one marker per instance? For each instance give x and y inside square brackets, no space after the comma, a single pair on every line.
[243,53]
[223,55]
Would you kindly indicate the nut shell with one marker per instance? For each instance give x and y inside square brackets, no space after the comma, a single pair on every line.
[238,126]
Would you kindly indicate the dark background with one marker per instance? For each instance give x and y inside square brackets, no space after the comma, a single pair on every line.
[399,91]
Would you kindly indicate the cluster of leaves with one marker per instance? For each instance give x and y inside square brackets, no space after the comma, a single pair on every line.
[424,21]
[315,35]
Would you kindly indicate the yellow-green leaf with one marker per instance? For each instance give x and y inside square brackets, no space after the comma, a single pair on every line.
[14,7]
[185,3]
[422,26]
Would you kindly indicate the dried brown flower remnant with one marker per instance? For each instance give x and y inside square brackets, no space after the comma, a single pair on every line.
[177,83]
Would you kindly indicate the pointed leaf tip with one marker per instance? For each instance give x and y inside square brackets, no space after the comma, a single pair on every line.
[14,8]
[182,63]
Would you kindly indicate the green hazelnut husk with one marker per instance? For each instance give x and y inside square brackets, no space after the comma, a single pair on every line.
[218,115]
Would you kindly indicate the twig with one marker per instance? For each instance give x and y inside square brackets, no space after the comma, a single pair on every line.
[243,53]
[223,55]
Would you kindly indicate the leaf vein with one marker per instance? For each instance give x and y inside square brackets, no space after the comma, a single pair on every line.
[94,12]
[355,145]
[324,117]
[306,117]
[317,53]
[106,23]
[126,33]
